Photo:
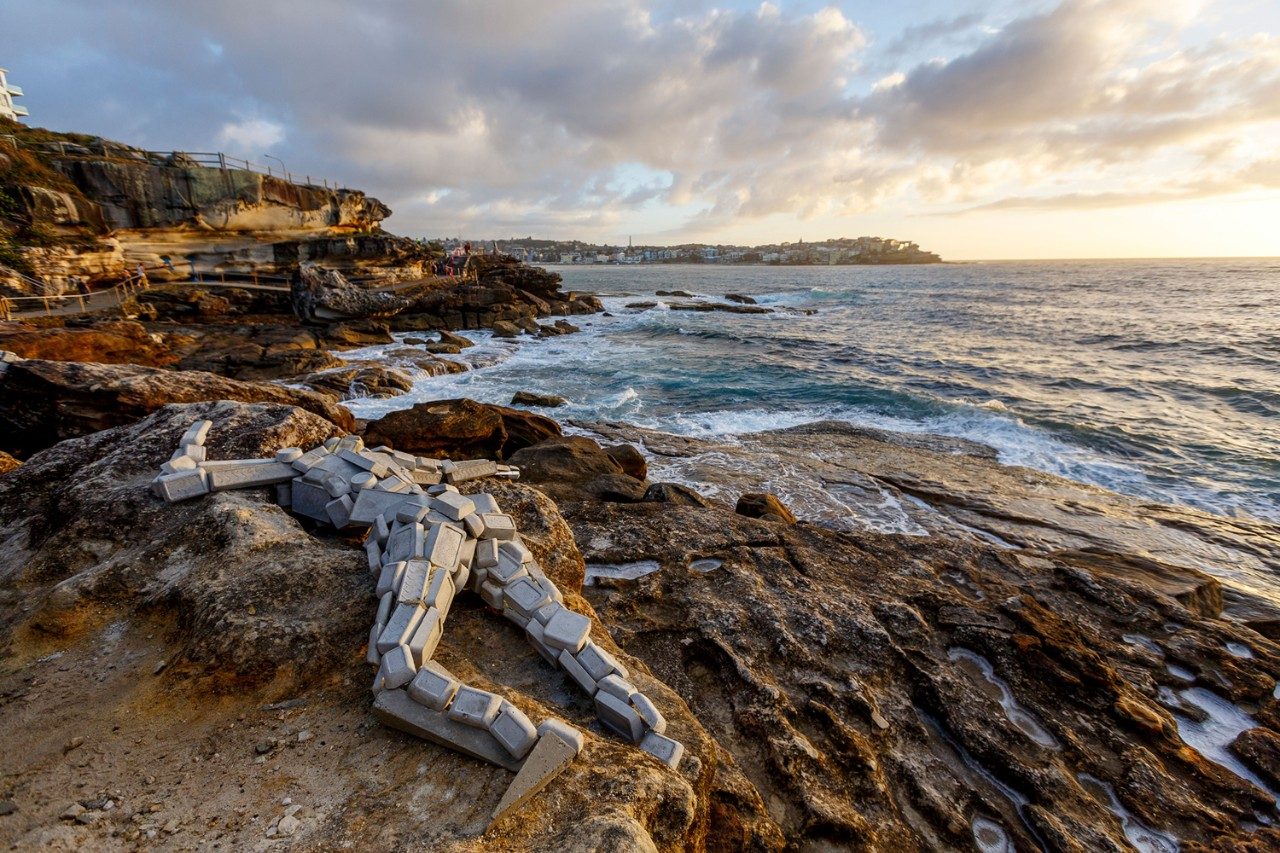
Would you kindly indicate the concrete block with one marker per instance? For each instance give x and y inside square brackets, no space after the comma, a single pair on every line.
[485,503]
[380,530]
[426,636]
[351,442]
[195,452]
[336,485]
[397,668]
[618,715]
[472,469]
[337,465]
[413,583]
[434,686]
[452,505]
[331,444]
[441,489]
[460,577]
[377,681]
[467,553]
[524,597]
[393,484]
[548,759]
[478,577]
[486,554]
[533,633]
[363,481]
[394,708]
[599,662]
[180,463]
[474,707]
[649,713]
[439,590]
[498,526]
[407,542]
[515,550]
[181,485]
[663,748]
[443,546]
[372,502]
[404,460]
[567,630]
[374,554]
[389,578]
[289,455]
[307,461]
[425,477]
[427,462]
[400,627]
[619,687]
[339,511]
[473,525]
[448,466]
[284,494]
[385,603]
[196,433]
[360,460]
[411,513]
[507,571]
[575,671]
[514,617]
[545,612]
[373,656]
[564,731]
[249,475]
[491,593]
[434,517]
[513,730]
[309,500]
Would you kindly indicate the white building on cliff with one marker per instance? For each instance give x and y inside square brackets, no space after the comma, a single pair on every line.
[8,91]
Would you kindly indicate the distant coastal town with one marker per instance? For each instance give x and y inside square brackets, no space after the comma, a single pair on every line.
[844,250]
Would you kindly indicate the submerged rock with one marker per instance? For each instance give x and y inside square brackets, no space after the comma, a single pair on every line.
[531,398]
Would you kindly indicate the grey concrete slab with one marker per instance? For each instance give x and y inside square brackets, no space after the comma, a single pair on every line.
[472,470]
[351,442]
[411,513]
[339,511]
[507,571]
[309,500]
[428,463]
[567,630]
[439,590]
[485,503]
[288,455]
[331,444]
[575,671]
[546,611]
[393,484]
[467,553]
[335,464]
[394,708]
[284,494]
[365,480]
[197,452]
[616,685]
[486,554]
[474,707]
[524,597]
[400,627]
[513,730]
[336,485]
[478,578]
[397,668]
[564,731]
[371,503]
[663,748]
[434,686]
[181,463]
[422,645]
[413,583]
[441,488]
[389,578]
[307,461]
[460,578]
[443,546]
[425,476]
[649,713]
[249,475]
[182,485]
[196,433]
[618,715]
[599,662]
[498,525]
[473,525]
[406,542]
[452,505]
[380,529]
[548,759]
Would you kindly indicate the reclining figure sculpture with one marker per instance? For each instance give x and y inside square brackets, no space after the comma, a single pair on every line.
[426,542]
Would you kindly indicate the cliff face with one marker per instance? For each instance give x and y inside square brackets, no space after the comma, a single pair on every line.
[72,205]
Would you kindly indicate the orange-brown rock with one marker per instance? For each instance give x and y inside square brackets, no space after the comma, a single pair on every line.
[460,429]
[108,342]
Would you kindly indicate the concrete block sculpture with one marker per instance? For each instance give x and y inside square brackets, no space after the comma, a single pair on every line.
[426,542]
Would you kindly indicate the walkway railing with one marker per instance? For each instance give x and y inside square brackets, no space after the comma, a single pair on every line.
[45,304]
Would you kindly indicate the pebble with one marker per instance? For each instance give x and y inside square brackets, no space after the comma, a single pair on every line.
[74,743]
[304,736]
[73,811]
[288,825]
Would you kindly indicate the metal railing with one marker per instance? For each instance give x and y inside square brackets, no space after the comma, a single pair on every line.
[12,305]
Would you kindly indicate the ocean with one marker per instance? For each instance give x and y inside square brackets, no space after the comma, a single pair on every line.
[1157,379]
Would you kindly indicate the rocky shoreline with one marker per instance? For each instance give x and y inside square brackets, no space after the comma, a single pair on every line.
[955,654]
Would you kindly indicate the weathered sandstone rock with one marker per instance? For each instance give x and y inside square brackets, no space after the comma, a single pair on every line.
[461,429]
[763,506]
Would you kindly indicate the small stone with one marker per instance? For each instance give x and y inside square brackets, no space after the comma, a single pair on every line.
[288,825]
[304,736]
[72,811]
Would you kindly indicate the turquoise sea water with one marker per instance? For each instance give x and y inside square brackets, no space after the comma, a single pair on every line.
[1158,379]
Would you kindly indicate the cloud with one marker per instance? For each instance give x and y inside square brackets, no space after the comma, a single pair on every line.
[577,114]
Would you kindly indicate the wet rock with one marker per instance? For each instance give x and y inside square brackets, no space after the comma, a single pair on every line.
[719,306]
[43,402]
[443,349]
[447,337]
[682,293]
[532,398]
[356,334]
[359,380]
[765,507]
[630,460]
[739,298]
[505,329]
[677,494]
[575,467]
[108,342]
[460,429]
[1260,750]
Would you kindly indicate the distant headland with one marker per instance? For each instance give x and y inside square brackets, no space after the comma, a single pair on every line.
[842,250]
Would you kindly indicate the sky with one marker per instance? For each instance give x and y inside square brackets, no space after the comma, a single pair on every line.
[997,129]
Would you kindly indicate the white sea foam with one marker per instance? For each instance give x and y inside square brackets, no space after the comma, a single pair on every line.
[1223,723]
[1022,719]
